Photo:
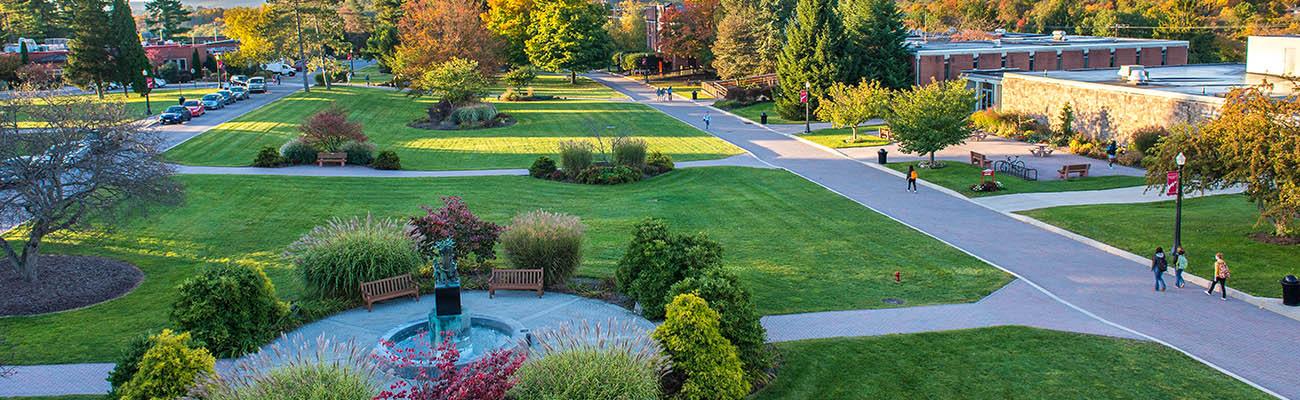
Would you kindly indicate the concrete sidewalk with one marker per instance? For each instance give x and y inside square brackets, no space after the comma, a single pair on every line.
[1235,337]
[1030,201]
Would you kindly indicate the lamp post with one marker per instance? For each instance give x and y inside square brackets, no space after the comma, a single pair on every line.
[1181,160]
[148,87]
[807,99]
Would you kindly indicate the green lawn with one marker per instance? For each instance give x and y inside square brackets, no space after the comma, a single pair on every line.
[558,85]
[1210,224]
[959,176]
[159,99]
[69,397]
[385,114]
[995,363]
[754,111]
[775,228]
[838,138]
[376,77]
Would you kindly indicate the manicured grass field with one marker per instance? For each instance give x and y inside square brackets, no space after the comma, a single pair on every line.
[1210,224]
[159,99]
[376,77]
[798,247]
[551,84]
[995,363]
[754,112]
[959,177]
[385,114]
[838,138]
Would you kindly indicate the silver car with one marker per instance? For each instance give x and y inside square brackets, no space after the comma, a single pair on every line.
[257,85]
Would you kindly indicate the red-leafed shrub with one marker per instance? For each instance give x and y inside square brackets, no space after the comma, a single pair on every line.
[454,220]
[489,378]
[328,129]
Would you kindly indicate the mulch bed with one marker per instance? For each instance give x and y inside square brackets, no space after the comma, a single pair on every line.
[1270,239]
[65,283]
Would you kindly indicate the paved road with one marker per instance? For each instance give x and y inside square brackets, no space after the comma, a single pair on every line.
[174,135]
[1251,344]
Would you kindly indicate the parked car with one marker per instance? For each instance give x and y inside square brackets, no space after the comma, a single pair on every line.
[238,80]
[214,101]
[257,85]
[196,108]
[279,67]
[174,115]
[240,92]
[227,96]
[159,83]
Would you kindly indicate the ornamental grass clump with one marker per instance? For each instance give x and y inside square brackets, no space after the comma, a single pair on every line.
[302,370]
[611,360]
[335,258]
[545,240]
[629,152]
[576,156]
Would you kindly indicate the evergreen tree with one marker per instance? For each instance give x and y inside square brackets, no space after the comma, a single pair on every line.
[748,39]
[167,16]
[22,53]
[128,54]
[814,52]
[195,64]
[383,41]
[877,36]
[32,19]
[88,63]
[568,35]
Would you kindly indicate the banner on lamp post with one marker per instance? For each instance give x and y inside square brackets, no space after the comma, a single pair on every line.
[803,96]
[1171,182]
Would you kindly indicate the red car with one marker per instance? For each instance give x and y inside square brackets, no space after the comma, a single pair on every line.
[195,107]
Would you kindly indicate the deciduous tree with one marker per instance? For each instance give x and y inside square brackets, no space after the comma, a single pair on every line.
[436,31]
[511,20]
[849,106]
[457,81]
[688,30]
[167,16]
[814,53]
[383,40]
[748,39]
[568,35]
[88,166]
[628,28]
[260,38]
[930,118]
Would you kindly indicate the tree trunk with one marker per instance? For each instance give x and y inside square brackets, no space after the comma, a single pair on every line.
[573,77]
[931,159]
[855,133]
[30,264]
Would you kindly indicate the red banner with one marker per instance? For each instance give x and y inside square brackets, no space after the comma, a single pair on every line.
[1171,181]
[803,96]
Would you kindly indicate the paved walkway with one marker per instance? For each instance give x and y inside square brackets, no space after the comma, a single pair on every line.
[358,325]
[1235,337]
[1030,201]
[742,160]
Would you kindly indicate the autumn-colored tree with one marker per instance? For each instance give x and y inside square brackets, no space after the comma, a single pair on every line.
[511,20]
[255,29]
[688,30]
[329,129]
[748,40]
[628,28]
[435,31]
[849,106]
[1255,142]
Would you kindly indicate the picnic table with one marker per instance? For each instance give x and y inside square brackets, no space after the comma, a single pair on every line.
[1041,150]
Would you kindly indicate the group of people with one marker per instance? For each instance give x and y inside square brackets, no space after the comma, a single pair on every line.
[1160,264]
[664,93]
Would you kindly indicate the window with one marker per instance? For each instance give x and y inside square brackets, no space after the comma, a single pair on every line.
[1164,56]
[1058,61]
[1085,59]
[1031,61]
[947,68]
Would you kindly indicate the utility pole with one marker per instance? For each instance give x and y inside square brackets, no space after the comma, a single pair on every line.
[297,16]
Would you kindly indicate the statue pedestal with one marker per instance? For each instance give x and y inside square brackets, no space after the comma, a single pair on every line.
[448,318]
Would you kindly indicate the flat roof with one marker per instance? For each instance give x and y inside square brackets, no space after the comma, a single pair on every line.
[1196,80]
[1019,42]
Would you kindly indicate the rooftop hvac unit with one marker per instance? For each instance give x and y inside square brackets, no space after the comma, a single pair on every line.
[1125,71]
[1058,35]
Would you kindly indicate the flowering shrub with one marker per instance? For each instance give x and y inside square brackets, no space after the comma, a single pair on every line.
[231,308]
[987,186]
[328,129]
[704,361]
[319,369]
[168,368]
[488,378]
[454,220]
[544,240]
[335,258]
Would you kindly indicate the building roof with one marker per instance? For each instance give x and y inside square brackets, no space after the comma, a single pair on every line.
[1020,42]
[1194,80]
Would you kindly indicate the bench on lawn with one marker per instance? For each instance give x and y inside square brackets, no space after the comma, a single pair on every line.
[979,160]
[515,279]
[1077,169]
[322,158]
[885,133]
[388,288]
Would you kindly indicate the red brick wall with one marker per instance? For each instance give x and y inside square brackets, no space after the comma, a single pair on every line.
[958,63]
[1176,56]
[1150,56]
[990,61]
[1072,59]
[930,69]
[1044,61]
[1125,57]
[1018,60]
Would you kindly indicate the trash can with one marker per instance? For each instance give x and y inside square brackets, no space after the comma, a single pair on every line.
[1291,291]
[762,118]
[695,95]
[883,156]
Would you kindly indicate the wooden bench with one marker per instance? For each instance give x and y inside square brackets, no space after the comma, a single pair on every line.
[979,135]
[515,279]
[322,158]
[1078,169]
[885,133]
[980,160]
[388,288]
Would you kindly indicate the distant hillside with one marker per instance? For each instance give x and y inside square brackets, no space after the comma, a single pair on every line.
[138,5]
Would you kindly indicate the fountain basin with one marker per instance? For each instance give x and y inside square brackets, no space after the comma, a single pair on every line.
[487,333]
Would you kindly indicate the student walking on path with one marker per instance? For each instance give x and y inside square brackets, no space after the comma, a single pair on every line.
[1112,151]
[670,93]
[1159,265]
[1220,276]
[911,178]
[707,119]
[1179,267]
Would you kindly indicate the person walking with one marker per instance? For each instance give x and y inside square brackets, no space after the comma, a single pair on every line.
[670,93]
[911,178]
[1159,265]
[1112,151]
[707,119]
[1179,266]
[1221,275]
